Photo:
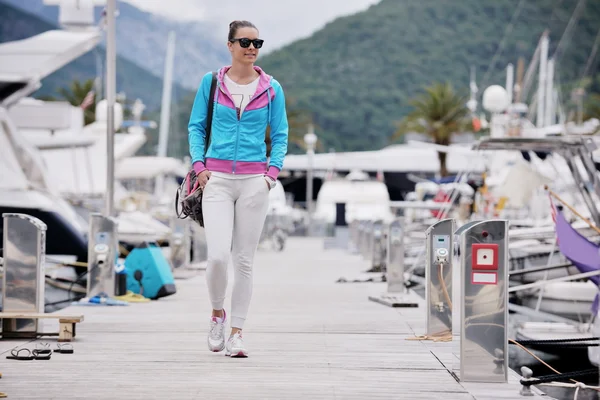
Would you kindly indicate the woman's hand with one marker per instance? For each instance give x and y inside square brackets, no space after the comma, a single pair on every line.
[202,179]
[269,182]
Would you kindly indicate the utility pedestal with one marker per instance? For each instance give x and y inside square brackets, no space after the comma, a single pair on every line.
[480,302]
[397,295]
[438,276]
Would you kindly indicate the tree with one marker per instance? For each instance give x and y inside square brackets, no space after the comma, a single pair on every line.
[438,113]
[298,120]
[592,106]
[76,93]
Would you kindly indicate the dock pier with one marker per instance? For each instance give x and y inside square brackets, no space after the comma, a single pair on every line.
[308,336]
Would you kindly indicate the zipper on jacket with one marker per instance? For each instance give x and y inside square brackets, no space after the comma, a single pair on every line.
[239,118]
[237,140]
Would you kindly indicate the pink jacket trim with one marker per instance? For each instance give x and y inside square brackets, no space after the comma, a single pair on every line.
[241,167]
[199,167]
[273,173]
[264,82]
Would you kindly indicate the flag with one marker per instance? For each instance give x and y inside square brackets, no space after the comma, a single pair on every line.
[578,249]
[476,124]
[88,100]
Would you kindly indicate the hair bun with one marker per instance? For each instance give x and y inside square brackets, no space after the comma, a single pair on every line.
[235,25]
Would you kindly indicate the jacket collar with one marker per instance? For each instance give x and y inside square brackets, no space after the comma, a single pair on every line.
[263,83]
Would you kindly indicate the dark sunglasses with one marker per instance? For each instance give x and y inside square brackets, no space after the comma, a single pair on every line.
[245,42]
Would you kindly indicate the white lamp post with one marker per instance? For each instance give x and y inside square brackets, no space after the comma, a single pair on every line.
[137,109]
[310,139]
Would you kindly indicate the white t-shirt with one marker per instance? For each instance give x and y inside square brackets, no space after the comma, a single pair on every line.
[241,94]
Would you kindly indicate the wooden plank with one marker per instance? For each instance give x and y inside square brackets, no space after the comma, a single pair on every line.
[62,318]
[308,337]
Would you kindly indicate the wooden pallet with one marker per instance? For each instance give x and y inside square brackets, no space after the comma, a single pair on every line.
[67,323]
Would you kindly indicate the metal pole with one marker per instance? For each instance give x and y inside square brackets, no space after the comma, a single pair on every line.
[541,98]
[110,102]
[309,189]
[510,76]
[548,115]
[165,108]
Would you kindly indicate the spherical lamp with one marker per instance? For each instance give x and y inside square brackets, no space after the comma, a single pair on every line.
[495,99]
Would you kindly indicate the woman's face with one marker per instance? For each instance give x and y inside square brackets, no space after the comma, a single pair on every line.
[244,55]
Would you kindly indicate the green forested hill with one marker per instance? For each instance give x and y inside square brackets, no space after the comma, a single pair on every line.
[357,74]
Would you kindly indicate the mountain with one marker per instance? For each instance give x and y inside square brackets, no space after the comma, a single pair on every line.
[358,74]
[142,39]
[133,80]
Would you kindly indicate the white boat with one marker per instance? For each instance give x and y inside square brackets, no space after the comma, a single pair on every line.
[364,199]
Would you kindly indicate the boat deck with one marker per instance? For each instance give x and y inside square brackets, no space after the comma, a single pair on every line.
[308,336]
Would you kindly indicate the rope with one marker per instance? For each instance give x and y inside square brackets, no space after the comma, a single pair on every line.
[591,57]
[443,282]
[567,346]
[566,36]
[525,342]
[578,386]
[558,377]
[586,220]
[546,364]
[443,336]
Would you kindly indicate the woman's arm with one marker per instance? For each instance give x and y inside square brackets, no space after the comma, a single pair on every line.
[197,124]
[279,132]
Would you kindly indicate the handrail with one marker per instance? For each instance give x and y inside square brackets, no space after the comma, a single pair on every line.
[539,269]
[561,279]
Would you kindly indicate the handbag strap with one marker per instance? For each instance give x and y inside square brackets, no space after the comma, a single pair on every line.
[211,102]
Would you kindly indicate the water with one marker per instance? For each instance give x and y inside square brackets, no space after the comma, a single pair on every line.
[571,362]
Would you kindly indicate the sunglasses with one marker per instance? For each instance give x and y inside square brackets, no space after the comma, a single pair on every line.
[245,42]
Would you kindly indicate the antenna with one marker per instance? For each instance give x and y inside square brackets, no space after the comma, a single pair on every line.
[543,76]
[472,103]
[519,85]
[510,76]
[76,14]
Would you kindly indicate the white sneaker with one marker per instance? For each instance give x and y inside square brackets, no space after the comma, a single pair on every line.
[216,333]
[235,346]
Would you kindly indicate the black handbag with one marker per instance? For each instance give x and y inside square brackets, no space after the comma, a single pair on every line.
[188,203]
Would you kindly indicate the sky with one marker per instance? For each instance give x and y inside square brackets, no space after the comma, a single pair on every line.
[279,21]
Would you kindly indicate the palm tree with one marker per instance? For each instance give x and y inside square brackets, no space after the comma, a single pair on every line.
[76,93]
[438,113]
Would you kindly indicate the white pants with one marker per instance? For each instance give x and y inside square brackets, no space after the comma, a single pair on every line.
[234,213]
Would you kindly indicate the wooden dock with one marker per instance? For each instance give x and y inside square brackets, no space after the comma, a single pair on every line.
[308,337]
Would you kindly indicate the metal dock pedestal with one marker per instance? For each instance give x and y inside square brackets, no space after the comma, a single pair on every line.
[480,302]
[438,276]
[102,253]
[397,295]
[24,280]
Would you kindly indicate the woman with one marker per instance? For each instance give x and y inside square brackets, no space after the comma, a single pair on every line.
[236,175]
